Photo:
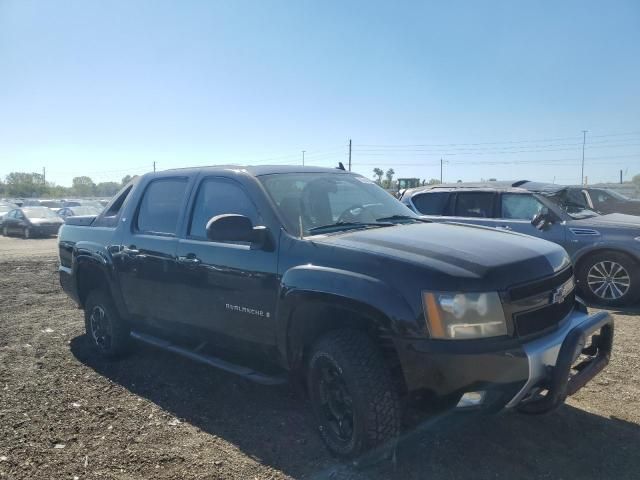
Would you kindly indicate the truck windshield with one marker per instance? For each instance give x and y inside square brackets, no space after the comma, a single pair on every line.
[322,202]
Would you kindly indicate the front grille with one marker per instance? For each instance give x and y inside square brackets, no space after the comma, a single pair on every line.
[532,306]
[542,319]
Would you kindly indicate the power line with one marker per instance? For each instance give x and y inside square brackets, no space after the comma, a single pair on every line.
[544,140]
[487,152]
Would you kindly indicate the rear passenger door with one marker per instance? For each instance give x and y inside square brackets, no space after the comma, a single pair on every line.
[227,288]
[476,208]
[147,267]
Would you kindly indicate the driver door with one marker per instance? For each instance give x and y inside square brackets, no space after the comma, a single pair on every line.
[228,288]
[516,211]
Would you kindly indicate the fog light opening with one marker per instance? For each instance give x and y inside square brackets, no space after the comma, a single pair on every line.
[471,399]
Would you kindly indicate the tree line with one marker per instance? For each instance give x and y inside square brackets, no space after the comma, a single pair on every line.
[33,185]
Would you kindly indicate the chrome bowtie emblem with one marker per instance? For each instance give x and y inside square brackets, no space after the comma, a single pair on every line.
[560,293]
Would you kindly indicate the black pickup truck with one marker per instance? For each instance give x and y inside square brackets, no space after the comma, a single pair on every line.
[320,276]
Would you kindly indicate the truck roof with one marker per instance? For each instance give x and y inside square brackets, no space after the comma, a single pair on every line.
[258,170]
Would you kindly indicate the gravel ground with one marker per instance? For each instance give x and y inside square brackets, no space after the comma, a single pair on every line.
[66,414]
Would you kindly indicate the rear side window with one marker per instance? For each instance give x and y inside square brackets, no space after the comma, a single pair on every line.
[161,205]
[219,196]
[431,203]
[475,204]
[110,216]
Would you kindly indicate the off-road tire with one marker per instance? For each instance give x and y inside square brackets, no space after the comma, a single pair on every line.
[375,404]
[119,332]
[631,266]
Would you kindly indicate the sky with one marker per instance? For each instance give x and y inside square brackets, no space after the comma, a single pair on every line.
[496,89]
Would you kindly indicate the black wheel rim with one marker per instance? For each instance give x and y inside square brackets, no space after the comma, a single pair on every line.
[336,402]
[100,327]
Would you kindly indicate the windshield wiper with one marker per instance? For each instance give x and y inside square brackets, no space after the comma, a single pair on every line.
[400,217]
[339,225]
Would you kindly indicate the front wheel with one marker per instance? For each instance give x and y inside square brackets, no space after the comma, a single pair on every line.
[610,279]
[5,231]
[26,233]
[352,393]
[108,332]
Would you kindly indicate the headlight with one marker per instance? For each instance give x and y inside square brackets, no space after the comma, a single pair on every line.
[460,316]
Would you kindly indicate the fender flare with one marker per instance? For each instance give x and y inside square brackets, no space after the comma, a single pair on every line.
[95,256]
[363,294]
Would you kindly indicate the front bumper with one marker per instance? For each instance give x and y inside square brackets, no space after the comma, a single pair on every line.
[534,377]
[45,230]
[562,363]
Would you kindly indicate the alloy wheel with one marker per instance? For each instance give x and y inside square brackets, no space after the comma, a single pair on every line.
[336,402]
[100,326]
[608,280]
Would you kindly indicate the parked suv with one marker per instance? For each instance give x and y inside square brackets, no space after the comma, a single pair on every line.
[605,249]
[321,276]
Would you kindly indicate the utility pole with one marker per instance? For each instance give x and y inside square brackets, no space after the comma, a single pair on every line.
[303,157]
[154,166]
[584,140]
[349,154]
[440,169]
[620,175]
[44,176]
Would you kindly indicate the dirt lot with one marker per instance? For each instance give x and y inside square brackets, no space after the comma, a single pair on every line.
[65,414]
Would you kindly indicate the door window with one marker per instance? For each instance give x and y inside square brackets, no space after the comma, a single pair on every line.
[431,203]
[474,204]
[161,205]
[599,197]
[520,206]
[218,196]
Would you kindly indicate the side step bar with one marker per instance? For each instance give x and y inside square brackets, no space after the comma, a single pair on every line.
[243,371]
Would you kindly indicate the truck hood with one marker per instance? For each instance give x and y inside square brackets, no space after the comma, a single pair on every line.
[485,257]
[620,220]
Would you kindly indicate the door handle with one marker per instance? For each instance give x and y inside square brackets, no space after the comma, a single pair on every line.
[505,227]
[131,250]
[189,260]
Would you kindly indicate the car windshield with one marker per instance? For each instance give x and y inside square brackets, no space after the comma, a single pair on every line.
[39,212]
[323,202]
[574,209]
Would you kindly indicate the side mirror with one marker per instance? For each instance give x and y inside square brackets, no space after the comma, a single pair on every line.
[543,219]
[236,228]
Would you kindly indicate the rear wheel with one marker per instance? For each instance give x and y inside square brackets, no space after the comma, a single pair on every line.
[5,231]
[352,393]
[109,333]
[610,278]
